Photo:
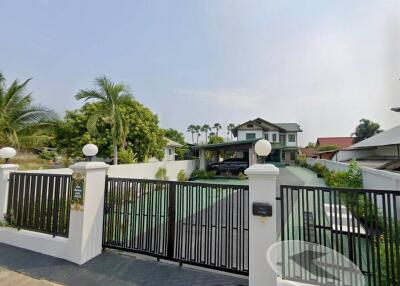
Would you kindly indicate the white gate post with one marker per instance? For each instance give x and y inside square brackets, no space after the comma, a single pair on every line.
[5,170]
[86,218]
[262,230]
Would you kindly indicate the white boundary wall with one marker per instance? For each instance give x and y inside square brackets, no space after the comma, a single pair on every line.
[372,178]
[149,170]
[85,225]
[139,170]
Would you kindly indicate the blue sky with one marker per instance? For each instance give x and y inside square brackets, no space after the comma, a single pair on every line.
[323,64]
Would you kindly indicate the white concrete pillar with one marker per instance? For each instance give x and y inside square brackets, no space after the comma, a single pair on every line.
[262,230]
[5,170]
[252,156]
[202,157]
[86,220]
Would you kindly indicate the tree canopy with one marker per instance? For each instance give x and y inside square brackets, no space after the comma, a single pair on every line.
[22,124]
[111,98]
[143,135]
[366,129]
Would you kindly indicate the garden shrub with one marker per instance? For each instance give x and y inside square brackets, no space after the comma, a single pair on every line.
[181,177]
[10,218]
[161,174]
[301,160]
[47,155]
[242,176]
[126,156]
[319,169]
[202,174]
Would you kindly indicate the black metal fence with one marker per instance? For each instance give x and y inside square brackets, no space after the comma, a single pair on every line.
[40,202]
[361,224]
[193,223]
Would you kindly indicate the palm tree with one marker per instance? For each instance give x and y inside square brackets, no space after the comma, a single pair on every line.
[111,98]
[366,129]
[22,124]
[197,129]
[205,128]
[217,127]
[230,127]
[192,129]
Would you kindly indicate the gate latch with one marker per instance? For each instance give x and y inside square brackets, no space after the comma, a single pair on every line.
[262,209]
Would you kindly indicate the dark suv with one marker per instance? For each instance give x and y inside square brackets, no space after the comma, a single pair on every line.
[232,165]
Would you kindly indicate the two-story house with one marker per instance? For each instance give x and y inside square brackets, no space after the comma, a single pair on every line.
[282,136]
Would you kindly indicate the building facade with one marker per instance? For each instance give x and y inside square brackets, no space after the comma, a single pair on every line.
[282,136]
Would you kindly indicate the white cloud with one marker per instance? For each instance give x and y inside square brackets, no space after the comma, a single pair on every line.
[225,98]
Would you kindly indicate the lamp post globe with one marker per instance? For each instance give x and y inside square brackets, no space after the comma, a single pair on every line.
[90,150]
[263,148]
[7,153]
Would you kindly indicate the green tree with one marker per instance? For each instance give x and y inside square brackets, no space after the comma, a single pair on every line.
[144,137]
[328,147]
[192,129]
[311,145]
[216,139]
[174,135]
[217,127]
[23,124]
[197,129]
[111,98]
[366,129]
[205,128]
[230,127]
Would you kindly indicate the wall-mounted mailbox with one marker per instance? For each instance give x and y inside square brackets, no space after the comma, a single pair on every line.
[262,209]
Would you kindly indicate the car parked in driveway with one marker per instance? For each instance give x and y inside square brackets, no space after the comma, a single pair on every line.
[232,165]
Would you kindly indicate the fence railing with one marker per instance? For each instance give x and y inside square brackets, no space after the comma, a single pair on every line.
[40,202]
[194,223]
[361,224]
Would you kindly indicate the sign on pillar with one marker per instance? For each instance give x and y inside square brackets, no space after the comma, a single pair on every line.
[86,222]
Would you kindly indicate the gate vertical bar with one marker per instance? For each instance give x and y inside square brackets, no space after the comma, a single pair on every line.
[171,220]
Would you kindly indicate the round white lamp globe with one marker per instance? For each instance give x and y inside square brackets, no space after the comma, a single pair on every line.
[263,148]
[90,150]
[7,153]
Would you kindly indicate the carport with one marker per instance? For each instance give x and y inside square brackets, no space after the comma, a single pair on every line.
[242,149]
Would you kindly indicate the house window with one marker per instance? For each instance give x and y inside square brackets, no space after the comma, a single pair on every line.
[169,151]
[273,137]
[266,136]
[292,156]
[250,136]
[292,138]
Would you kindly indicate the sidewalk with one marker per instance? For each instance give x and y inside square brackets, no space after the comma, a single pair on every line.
[11,278]
[109,269]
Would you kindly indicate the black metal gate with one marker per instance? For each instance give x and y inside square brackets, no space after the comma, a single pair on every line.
[362,225]
[194,223]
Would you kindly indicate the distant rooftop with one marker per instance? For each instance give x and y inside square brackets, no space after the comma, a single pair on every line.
[341,142]
[389,137]
[171,143]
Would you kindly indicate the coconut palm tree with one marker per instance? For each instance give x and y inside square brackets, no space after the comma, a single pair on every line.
[111,98]
[217,127]
[192,129]
[22,124]
[197,129]
[230,127]
[205,128]
[366,129]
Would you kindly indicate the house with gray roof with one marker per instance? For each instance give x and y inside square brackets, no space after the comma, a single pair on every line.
[282,136]
[381,151]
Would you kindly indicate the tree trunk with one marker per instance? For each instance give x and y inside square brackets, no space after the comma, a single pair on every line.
[115,157]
